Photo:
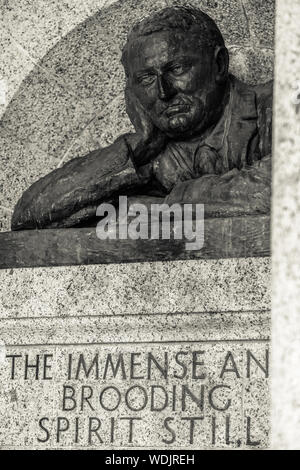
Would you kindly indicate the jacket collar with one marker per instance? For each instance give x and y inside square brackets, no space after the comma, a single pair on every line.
[237,127]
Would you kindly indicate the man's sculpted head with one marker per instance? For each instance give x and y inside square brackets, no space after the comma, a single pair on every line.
[176,67]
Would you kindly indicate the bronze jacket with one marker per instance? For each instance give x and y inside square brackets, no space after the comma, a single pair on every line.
[230,170]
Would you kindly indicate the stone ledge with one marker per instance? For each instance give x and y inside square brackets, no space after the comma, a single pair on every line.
[138,329]
[232,237]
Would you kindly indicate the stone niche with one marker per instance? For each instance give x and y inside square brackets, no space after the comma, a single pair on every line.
[96,352]
[72,102]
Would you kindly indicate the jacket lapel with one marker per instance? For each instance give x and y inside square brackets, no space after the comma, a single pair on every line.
[235,137]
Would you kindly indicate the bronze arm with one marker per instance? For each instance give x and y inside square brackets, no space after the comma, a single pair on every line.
[238,192]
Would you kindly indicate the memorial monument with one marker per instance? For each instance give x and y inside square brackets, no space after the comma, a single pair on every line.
[102,351]
[202,136]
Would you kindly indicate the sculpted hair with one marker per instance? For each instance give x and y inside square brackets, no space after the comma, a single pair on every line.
[183,19]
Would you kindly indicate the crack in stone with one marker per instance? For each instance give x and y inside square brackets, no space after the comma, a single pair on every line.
[246,18]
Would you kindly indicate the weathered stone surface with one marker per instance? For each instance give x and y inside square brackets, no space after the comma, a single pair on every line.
[286,231]
[180,286]
[134,328]
[261,21]
[21,48]
[92,6]
[46,115]
[5,218]
[251,64]
[22,162]
[28,22]
[101,127]
[14,65]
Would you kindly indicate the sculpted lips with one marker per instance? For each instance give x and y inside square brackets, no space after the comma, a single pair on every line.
[175,108]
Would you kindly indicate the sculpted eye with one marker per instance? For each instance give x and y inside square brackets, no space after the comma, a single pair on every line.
[146,80]
[178,70]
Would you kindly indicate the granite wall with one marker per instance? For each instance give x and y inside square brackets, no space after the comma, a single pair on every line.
[286,231]
[60,61]
[178,349]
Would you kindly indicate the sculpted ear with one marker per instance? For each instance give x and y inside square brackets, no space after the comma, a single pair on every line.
[137,114]
[222,63]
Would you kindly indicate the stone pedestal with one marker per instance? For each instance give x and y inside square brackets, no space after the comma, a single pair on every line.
[149,355]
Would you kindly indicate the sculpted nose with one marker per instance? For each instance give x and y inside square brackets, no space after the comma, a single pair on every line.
[165,88]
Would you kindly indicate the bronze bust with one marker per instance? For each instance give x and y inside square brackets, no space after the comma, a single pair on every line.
[202,136]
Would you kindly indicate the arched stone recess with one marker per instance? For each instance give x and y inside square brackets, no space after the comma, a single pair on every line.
[72,100]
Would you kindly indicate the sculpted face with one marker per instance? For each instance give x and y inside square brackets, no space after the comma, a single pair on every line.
[178,85]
